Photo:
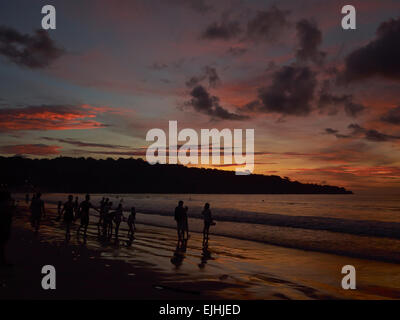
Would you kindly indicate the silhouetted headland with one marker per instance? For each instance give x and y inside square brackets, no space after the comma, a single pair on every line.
[81,175]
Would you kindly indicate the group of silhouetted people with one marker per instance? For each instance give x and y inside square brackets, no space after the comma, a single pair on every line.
[72,210]
[110,220]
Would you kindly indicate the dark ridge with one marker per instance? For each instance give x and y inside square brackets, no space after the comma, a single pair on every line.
[80,175]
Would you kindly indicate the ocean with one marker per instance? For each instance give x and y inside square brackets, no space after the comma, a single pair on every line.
[361,226]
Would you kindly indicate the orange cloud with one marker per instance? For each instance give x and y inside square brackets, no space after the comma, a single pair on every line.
[47,117]
[31,149]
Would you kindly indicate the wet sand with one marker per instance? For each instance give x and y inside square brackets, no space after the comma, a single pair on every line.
[153,267]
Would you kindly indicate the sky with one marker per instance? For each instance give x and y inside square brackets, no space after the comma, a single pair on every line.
[324,102]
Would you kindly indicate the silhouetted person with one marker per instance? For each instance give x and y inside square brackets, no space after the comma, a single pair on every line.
[37,211]
[27,198]
[117,217]
[179,218]
[6,212]
[208,221]
[131,222]
[84,208]
[185,223]
[59,208]
[76,208]
[107,220]
[103,208]
[68,211]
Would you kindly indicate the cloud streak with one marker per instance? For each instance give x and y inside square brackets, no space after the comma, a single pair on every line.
[50,117]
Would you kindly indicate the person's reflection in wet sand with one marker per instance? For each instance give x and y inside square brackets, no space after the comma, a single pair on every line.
[205,256]
[130,241]
[179,253]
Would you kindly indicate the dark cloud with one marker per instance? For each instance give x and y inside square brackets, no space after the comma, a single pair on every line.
[358,131]
[331,131]
[353,109]
[291,93]
[85,144]
[225,30]
[335,133]
[267,25]
[392,116]
[236,52]
[158,66]
[374,135]
[200,6]
[310,38]
[330,103]
[208,73]
[32,51]
[380,57]
[205,103]
[356,128]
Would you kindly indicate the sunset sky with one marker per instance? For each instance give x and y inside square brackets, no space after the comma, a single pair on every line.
[324,102]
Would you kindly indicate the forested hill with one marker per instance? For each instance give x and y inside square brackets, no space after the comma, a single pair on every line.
[80,175]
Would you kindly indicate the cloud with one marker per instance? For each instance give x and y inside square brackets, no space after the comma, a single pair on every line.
[335,133]
[267,25]
[46,117]
[200,6]
[85,144]
[236,51]
[392,116]
[158,66]
[380,57]
[310,38]
[291,92]
[208,73]
[30,149]
[32,51]
[361,132]
[225,30]
[203,102]
[330,103]
[376,136]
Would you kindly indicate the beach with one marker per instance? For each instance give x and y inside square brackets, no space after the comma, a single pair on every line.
[153,267]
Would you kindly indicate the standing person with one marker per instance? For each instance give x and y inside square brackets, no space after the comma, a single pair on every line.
[37,211]
[76,207]
[27,198]
[59,208]
[131,222]
[117,215]
[30,210]
[101,214]
[185,223]
[179,218]
[107,220]
[68,211]
[6,211]
[208,221]
[84,208]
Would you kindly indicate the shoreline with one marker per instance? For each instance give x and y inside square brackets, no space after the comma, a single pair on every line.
[153,267]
